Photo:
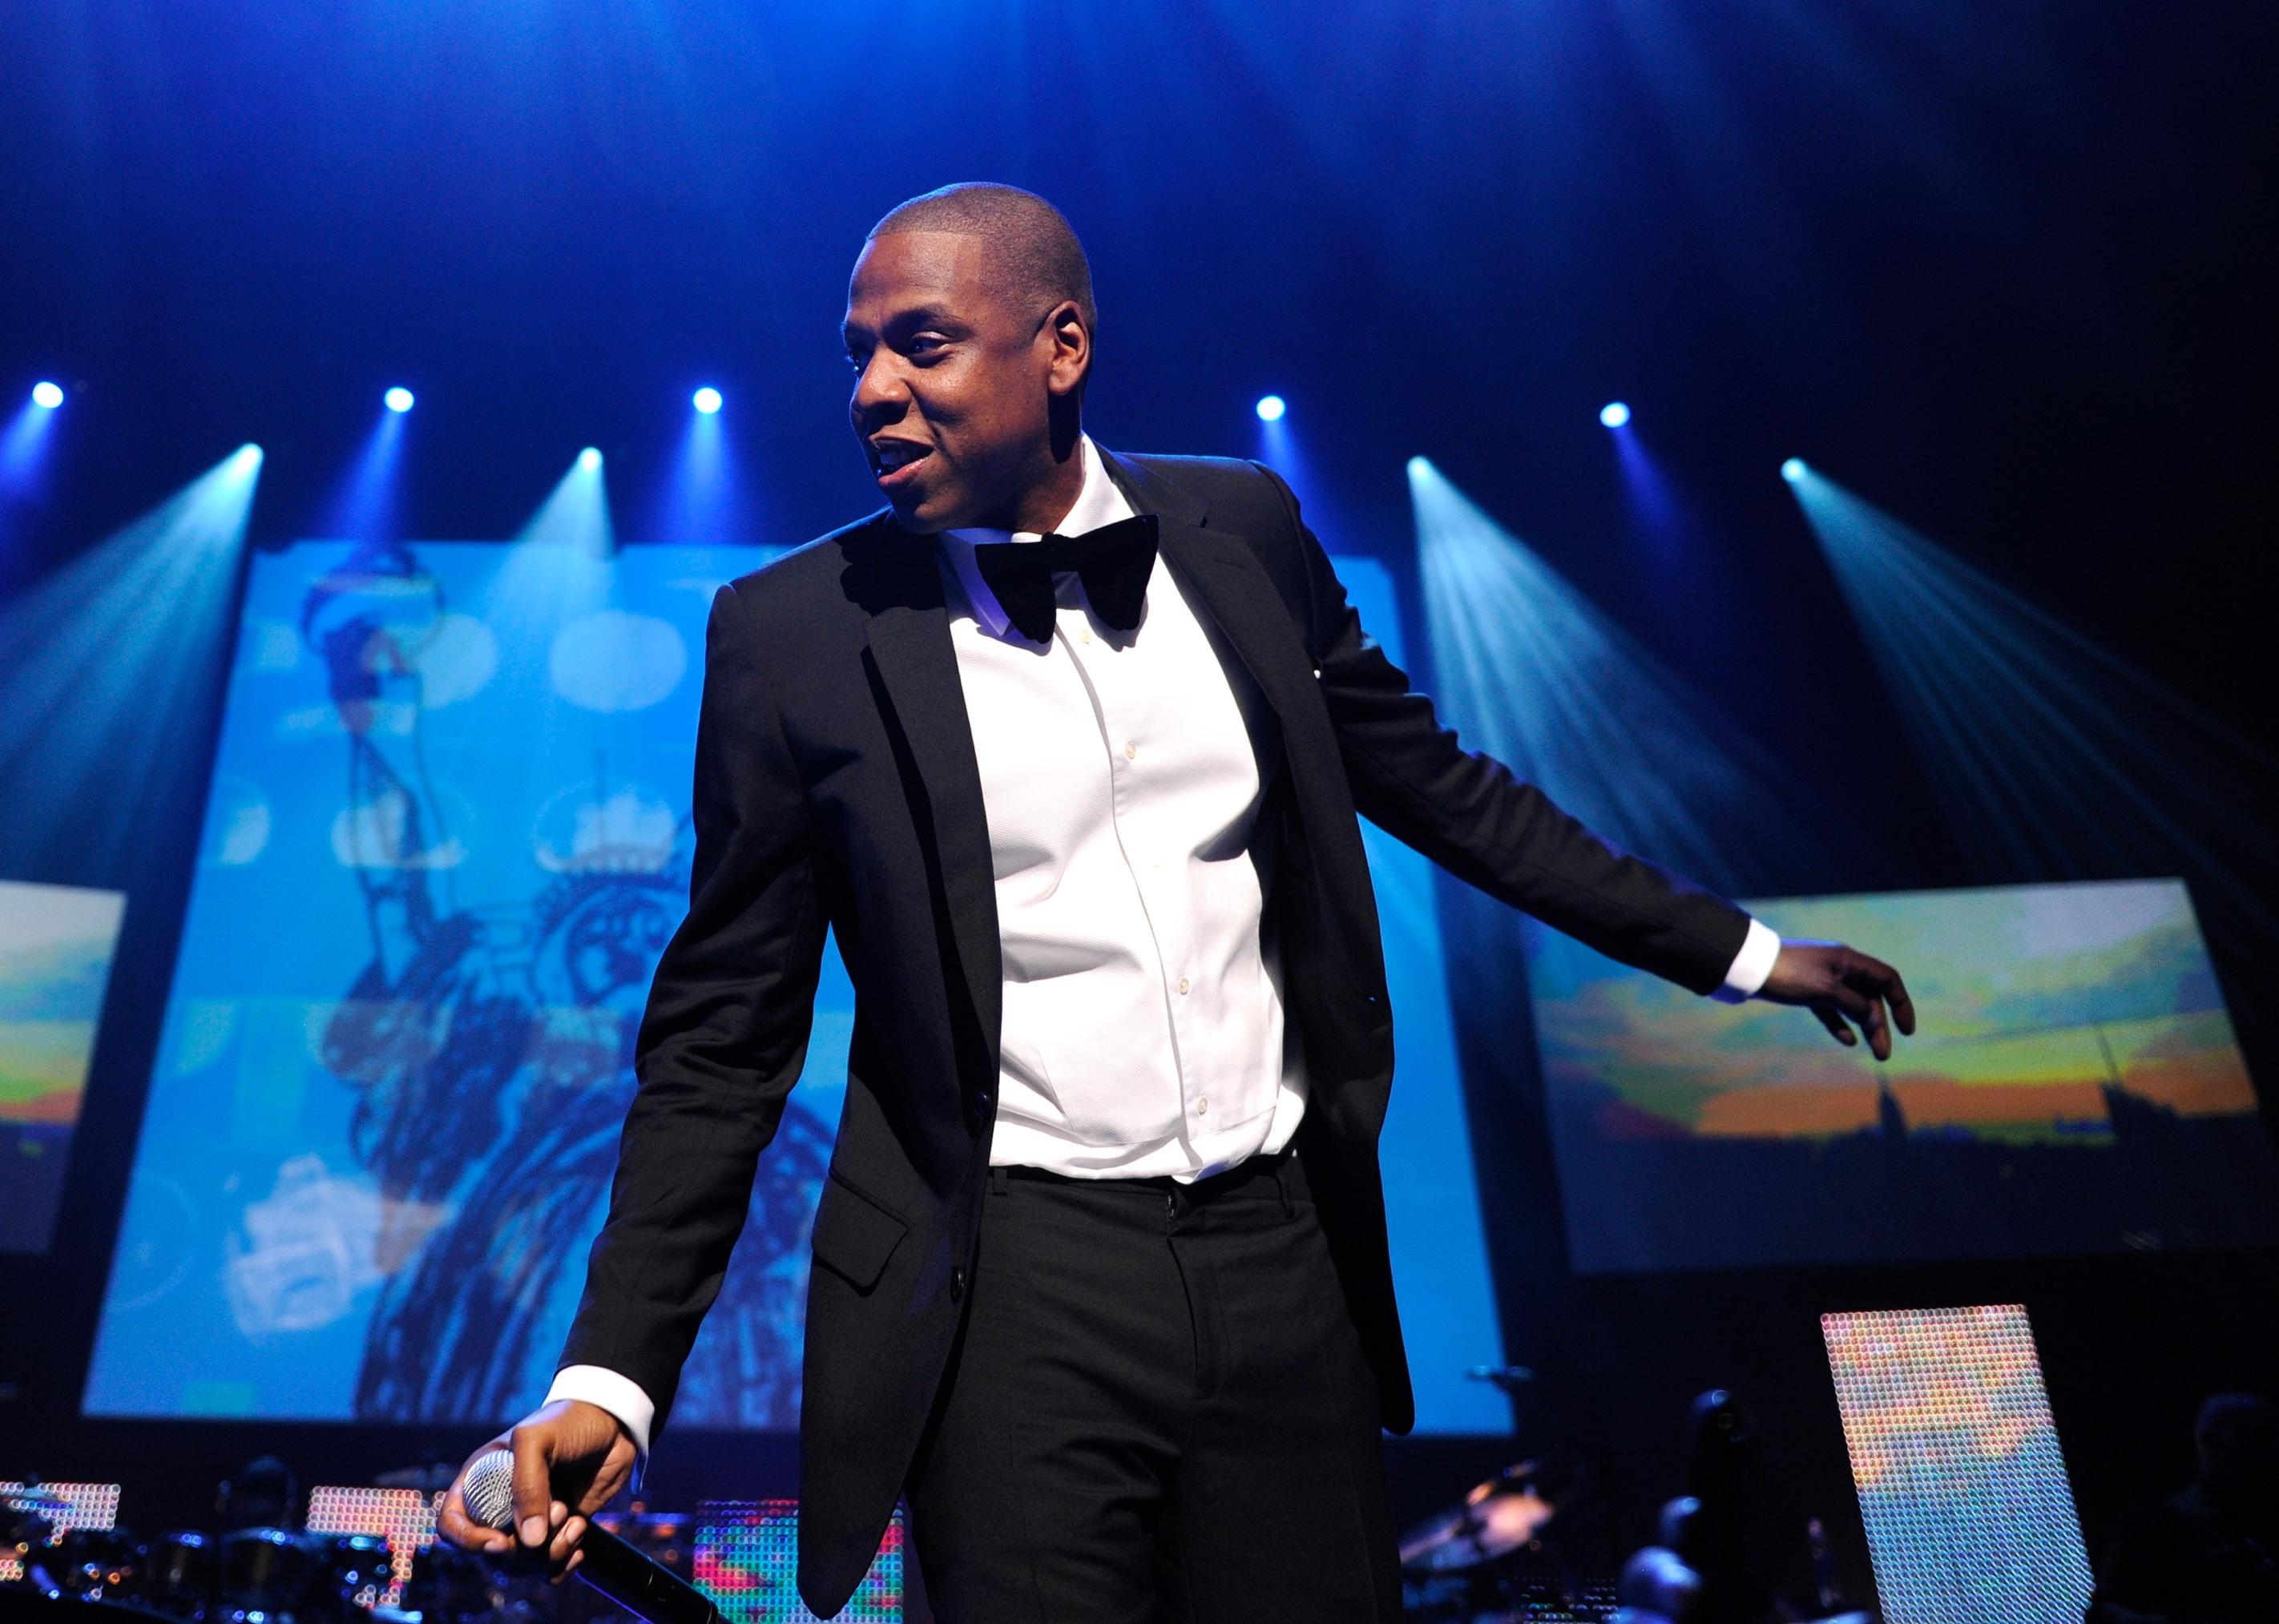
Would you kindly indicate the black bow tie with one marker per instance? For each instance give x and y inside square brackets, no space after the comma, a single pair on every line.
[1113,562]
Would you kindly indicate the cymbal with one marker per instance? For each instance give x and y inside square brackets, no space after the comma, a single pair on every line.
[1506,1513]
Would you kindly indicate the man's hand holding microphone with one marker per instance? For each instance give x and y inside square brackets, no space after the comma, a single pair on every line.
[569,1449]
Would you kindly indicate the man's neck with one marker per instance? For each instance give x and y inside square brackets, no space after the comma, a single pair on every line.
[1046,502]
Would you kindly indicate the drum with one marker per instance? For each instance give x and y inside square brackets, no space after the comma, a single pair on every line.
[266,1576]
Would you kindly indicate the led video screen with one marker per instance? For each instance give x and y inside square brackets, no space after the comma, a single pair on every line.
[447,839]
[2075,1086]
[1962,1485]
[56,948]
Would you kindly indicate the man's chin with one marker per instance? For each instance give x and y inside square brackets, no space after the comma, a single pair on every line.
[923,513]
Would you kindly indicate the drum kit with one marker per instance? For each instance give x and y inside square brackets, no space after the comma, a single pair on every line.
[1486,1560]
[272,1576]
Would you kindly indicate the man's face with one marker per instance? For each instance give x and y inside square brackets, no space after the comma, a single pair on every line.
[953,381]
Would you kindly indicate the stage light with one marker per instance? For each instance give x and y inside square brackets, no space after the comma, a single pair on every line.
[363,507]
[98,694]
[24,443]
[1532,672]
[1270,408]
[1794,470]
[2053,759]
[1613,414]
[701,501]
[574,519]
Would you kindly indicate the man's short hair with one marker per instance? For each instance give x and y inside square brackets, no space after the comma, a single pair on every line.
[1028,240]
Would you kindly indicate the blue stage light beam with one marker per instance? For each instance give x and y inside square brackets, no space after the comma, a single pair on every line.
[366,508]
[398,400]
[564,564]
[2053,759]
[706,399]
[1532,673]
[1613,414]
[114,660]
[1647,492]
[1270,408]
[575,515]
[26,435]
[1284,450]
[702,503]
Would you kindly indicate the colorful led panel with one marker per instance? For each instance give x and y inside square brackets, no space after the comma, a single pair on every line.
[405,1518]
[86,1506]
[1963,1489]
[748,1562]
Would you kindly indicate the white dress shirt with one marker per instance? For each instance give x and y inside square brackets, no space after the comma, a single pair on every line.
[1143,1029]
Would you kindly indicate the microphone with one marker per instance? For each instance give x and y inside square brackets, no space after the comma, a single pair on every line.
[613,1567]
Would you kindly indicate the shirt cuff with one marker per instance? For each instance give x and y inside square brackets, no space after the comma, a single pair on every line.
[1750,966]
[605,1388]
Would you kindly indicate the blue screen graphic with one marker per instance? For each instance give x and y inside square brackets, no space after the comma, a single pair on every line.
[446,842]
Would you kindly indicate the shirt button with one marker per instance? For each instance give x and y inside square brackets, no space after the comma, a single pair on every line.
[956,1284]
[1201,1107]
[1130,752]
[1083,634]
[1183,984]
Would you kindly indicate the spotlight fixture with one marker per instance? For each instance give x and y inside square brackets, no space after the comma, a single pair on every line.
[1794,470]
[398,399]
[590,459]
[1613,414]
[706,399]
[47,395]
[1270,408]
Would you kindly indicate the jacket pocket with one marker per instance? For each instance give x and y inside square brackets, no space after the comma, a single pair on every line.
[854,1234]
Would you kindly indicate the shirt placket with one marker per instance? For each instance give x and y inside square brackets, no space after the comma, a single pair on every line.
[1112,679]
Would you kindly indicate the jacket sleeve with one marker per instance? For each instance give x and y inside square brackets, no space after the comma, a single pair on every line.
[723,1036]
[1477,818]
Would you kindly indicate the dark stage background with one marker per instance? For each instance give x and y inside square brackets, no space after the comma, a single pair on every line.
[2007,271]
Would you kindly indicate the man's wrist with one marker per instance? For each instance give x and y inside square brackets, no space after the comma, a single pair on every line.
[606,1389]
[1752,965]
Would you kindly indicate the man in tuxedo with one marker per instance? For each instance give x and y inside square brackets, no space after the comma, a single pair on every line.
[1067,748]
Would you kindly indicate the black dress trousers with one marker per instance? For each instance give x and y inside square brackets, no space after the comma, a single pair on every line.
[1158,1411]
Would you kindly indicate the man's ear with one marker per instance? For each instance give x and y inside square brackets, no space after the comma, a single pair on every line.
[1072,342]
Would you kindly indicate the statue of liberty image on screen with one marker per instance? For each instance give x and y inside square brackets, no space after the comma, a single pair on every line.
[446,843]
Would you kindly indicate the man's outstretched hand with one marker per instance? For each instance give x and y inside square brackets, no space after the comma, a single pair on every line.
[1834,980]
[570,1458]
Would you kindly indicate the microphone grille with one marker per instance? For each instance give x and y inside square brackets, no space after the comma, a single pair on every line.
[489,1489]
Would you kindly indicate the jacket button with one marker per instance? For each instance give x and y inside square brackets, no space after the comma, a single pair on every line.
[956,1284]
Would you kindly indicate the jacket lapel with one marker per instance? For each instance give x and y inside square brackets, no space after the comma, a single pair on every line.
[1226,585]
[915,669]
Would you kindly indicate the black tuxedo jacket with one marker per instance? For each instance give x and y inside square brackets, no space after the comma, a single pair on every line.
[836,786]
